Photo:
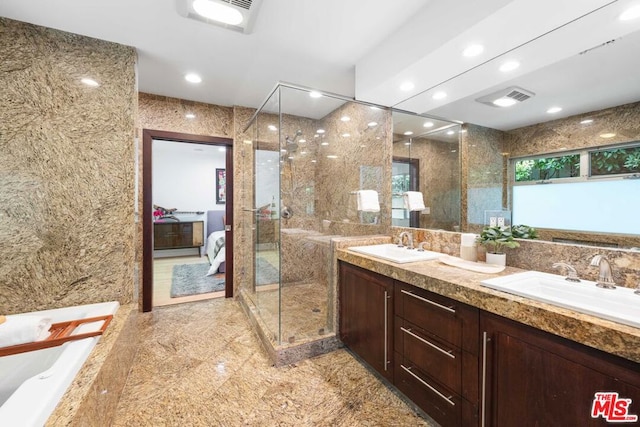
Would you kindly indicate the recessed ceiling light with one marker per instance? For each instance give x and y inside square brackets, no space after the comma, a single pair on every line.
[631,13]
[554,110]
[372,124]
[272,128]
[193,78]
[509,66]
[428,124]
[217,12]
[607,135]
[315,94]
[90,82]
[345,118]
[504,102]
[450,132]
[407,86]
[407,133]
[439,95]
[586,121]
[332,156]
[320,131]
[473,50]
[190,116]
[346,135]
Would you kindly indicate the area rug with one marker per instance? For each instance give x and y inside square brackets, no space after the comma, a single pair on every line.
[192,279]
[266,274]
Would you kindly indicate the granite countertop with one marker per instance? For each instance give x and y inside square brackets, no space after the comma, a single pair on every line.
[464,286]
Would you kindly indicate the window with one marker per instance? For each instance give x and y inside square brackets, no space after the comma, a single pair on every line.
[544,168]
[588,192]
[614,161]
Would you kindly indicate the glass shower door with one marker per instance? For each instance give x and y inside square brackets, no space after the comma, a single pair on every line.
[266,224]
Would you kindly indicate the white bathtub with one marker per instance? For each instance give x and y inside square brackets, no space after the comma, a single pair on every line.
[32,383]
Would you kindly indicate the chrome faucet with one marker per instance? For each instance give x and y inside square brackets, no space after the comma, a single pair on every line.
[409,239]
[605,278]
[572,274]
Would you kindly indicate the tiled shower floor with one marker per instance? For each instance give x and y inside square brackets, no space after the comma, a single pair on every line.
[304,311]
[199,364]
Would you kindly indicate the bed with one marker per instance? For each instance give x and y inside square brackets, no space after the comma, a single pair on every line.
[215,248]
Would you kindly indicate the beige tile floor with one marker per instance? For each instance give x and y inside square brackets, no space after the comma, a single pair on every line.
[303,309]
[162,272]
[201,365]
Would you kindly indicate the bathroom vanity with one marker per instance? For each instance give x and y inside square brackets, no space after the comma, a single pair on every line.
[468,355]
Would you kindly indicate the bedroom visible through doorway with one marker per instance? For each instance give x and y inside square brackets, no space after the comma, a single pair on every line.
[186,230]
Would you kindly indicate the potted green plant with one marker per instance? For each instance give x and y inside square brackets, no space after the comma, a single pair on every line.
[495,239]
[524,232]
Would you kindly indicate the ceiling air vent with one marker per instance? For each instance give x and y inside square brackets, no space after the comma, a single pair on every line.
[506,97]
[247,8]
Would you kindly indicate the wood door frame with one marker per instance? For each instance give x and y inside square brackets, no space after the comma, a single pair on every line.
[148,135]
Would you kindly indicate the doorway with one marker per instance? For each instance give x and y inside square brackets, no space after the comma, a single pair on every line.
[404,177]
[184,231]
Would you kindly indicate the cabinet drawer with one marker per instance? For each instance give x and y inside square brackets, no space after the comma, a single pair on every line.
[441,404]
[444,318]
[437,359]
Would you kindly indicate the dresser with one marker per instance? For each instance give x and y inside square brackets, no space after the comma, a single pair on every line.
[178,235]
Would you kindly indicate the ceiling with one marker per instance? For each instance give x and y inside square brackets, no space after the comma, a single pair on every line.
[368,48]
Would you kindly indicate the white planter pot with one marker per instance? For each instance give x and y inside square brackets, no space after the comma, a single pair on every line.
[496,259]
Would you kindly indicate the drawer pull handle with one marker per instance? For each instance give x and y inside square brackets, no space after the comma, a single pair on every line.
[443,351]
[449,309]
[447,399]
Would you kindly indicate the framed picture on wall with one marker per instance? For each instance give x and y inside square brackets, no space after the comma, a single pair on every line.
[221,186]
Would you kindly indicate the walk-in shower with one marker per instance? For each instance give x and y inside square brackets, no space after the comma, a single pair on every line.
[303,158]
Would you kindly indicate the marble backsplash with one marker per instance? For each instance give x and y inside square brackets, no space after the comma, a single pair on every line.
[540,255]
[66,169]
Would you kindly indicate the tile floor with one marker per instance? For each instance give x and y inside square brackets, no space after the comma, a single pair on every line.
[200,364]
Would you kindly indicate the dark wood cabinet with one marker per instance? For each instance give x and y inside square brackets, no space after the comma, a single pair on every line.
[534,378]
[467,367]
[366,316]
[178,235]
[436,342]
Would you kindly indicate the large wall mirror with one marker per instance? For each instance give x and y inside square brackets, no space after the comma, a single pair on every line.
[552,131]
[426,161]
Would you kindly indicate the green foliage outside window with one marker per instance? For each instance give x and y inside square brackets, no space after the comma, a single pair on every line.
[615,161]
[548,167]
[400,183]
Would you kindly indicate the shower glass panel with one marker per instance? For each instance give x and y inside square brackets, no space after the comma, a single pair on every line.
[266,216]
[310,156]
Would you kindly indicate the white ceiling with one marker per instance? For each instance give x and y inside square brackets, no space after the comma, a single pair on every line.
[366,48]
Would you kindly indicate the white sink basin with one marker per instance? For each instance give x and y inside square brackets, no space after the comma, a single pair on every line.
[620,304]
[393,253]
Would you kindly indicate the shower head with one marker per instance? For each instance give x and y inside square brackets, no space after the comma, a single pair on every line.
[291,142]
